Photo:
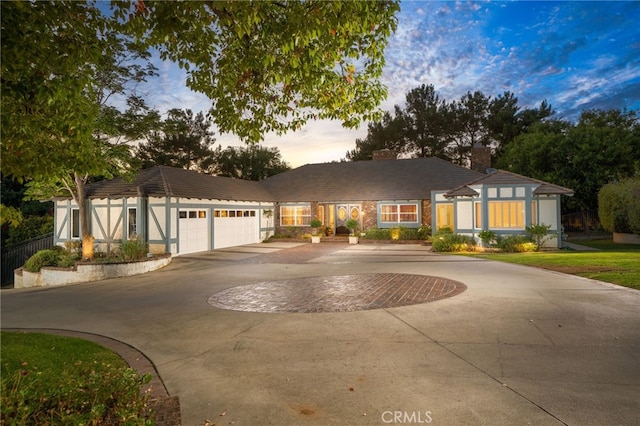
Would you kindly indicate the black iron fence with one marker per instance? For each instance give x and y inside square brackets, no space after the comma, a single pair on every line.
[14,256]
[581,222]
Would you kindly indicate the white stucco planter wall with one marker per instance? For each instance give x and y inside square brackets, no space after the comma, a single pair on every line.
[86,272]
[626,238]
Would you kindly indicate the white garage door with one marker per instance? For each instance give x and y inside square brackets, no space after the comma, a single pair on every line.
[235,228]
[194,231]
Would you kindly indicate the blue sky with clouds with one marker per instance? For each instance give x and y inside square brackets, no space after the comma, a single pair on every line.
[575,54]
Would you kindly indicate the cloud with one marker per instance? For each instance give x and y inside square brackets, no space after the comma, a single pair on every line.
[577,55]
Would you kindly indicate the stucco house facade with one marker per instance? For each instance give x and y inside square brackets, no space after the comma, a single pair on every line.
[178,211]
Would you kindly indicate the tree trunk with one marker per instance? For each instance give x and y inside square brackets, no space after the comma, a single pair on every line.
[87,238]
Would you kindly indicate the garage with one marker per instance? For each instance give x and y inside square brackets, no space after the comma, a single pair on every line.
[193,230]
[235,227]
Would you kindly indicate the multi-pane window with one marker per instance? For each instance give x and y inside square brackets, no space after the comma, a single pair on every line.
[399,213]
[444,215]
[233,213]
[295,215]
[506,214]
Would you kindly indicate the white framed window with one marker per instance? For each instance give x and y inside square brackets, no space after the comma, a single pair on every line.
[75,223]
[478,214]
[132,222]
[295,215]
[444,215]
[399,213]
[506,214]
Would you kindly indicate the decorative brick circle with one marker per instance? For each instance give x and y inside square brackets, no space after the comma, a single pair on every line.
[338,293]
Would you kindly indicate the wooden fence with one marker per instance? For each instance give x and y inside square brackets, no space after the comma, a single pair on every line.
[14,256]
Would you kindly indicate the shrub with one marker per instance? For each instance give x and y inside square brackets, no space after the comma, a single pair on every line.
[487,237]
[408,233]
[55,256]
[45,381]
[619,206]
[516,244]
[352,225]
[42,258]
[539,233]
[448,242]
[377,234]
[399,233]
[68,260]
[134,249]
[424,232]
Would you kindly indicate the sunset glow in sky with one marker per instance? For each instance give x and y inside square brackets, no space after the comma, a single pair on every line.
[576,54]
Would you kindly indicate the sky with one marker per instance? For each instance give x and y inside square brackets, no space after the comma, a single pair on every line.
[577,55]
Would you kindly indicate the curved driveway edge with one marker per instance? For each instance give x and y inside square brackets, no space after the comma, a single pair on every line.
[519,346]
[166,409]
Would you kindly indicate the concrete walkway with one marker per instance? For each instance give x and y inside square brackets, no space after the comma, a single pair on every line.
[519,346]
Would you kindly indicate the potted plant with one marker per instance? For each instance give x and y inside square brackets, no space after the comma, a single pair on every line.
[352,225]
[316,224]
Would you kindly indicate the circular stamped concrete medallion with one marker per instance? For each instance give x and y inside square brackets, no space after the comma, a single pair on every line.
[338,293]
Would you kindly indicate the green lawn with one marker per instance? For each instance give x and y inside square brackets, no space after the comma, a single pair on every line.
[49,379]
[613,263]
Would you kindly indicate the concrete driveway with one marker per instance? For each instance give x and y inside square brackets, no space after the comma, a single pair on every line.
[518,346]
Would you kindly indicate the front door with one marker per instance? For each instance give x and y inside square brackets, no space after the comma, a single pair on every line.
[345,212]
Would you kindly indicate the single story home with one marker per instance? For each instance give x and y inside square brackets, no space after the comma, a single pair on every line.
[179,211]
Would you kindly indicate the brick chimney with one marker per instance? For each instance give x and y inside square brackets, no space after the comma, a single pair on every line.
[480,158]
[385,154]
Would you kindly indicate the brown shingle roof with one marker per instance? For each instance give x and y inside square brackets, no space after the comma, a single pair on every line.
[410,179]
[501,177]
[162,181]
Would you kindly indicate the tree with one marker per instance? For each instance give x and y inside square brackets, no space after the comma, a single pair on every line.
[272,65]
[424,121]
[250,163]
[61,63]
[471,114]
[619,206]
[602,147]
[385,134]
[182,140]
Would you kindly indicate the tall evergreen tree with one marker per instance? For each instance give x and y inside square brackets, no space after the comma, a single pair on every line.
[184,140]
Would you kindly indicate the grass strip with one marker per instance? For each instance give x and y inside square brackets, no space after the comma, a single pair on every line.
[613,263]
[50,379]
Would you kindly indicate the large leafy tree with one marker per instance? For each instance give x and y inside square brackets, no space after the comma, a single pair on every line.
[273,65]
[61,63]
[183,140]
[601,147]
[265,65]
[253,162]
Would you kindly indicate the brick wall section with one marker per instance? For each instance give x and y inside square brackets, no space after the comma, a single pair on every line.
[426,212]
[370,211]
[480,158]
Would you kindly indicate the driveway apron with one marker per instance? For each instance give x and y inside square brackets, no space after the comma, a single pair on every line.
[511,345]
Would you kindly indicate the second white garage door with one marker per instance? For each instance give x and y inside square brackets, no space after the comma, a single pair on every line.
[235,228]
[194,231]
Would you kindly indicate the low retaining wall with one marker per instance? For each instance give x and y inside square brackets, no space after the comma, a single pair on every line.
[87,272]
[626,238]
